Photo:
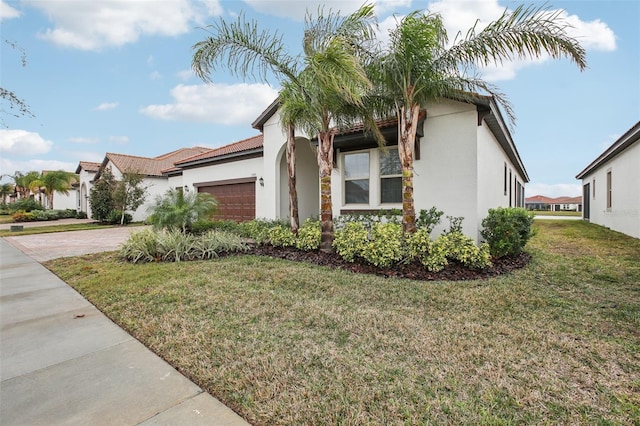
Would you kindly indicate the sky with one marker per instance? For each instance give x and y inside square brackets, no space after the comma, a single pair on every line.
[115,76]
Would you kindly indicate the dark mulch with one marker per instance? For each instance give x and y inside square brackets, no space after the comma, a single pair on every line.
[454,271]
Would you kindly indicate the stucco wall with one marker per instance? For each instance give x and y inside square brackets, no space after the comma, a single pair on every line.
[307,185]
[624,214]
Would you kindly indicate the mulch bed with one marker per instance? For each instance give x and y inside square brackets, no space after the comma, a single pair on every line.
[454,271]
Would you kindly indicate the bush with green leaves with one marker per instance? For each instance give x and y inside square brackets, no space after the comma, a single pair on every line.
[176,246]
[179,210]
[258,229]
[309,235]
[281,236]
[386,245]
[22,216]
[428,219]
[25,205]
[201,226]
[507,230]
[465,250]
[81,215]
[46,214]
[115,218]
[351,241]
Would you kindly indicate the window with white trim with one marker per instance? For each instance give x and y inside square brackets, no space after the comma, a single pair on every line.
[356,178]
[609,201]
[390,177]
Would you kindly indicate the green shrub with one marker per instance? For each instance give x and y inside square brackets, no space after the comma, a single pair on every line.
[66,214]
[281,236]
[464,249]
[258,229]
[176,246]
[25,205]
[386,246]
[309,235]
[507,230]
[22,216]
[115,217]
[351,241]
[45,214]
[81,215]
[428,219]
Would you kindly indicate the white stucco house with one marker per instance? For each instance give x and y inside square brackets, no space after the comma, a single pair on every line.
[611,185]
[86,172]
[151,167]
[465,163]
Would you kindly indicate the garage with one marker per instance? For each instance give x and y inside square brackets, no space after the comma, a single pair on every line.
[236,198]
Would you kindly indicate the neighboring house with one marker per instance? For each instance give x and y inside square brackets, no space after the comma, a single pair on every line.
[540,202]
[611,185]
[465,163]
[155,182]
[86,171]
[62,201]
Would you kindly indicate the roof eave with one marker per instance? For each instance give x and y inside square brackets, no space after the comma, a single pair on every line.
[259,122]
[211,160]
[625,141]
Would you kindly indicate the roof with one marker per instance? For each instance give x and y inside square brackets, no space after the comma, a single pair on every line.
[541,199]
[631,137]
[88,166]
[148,166]
[240,148]
[487,104]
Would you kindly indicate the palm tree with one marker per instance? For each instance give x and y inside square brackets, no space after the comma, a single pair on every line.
[56,181]
[317,85]
[23,182]
[417,67]
[6,189]
[37,187]
[177,210]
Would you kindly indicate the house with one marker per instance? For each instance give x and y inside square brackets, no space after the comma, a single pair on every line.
[540,202]
[611,185]
[61,201]
[465,163]
[86,172]
[151,168]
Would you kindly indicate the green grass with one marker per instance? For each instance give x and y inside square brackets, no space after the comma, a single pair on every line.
[285,343]
[562,213]
[6,218]
[58,228]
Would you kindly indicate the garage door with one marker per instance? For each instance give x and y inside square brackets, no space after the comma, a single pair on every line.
[236,201]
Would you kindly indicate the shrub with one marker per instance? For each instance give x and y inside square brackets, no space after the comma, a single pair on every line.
[22,216]
[66,214]
[351,241]
[81,215]
[176,246]
[45,214]
[281,236]
[464,249]
[115,217]
[428,219]
[309,235]
[386,246]
[258,229]
[25,205]
[179,210]
[507,230]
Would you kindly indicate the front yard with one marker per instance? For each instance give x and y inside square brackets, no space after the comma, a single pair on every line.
[291,343]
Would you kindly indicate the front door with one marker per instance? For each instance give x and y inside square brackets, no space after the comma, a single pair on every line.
[586,192]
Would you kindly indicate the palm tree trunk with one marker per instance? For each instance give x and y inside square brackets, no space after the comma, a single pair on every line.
[325,164]
[407,126]
[50,199]
[291,167]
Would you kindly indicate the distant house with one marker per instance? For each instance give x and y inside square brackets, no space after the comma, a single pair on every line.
[155,182]
[465,163]
[61,201]
[611,185]
[542,203]
[86,171]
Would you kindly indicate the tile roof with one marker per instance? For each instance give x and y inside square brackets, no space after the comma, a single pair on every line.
[248,144]
[88,166]
[150,166]
[548,200]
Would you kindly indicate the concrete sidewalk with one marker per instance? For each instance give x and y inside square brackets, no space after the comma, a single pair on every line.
[63,362]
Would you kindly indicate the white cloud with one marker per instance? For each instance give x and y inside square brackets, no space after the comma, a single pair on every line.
[458,17]
[120,140]
[93,25]
[106,106]
[8,166]
[553,190]
[81,140]
[297,9]
[8,12]
[215,103]
[22,142]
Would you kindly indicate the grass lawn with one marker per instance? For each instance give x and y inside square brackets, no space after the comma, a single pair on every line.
[6,218]
[557,342]
[563,213]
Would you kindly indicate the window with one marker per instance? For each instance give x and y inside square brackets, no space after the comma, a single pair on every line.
[505,178]
[390,177]
[510,194]
[356,178]
[593,188]
[609,189]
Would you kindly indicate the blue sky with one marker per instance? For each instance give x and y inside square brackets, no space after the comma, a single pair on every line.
[105,76]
